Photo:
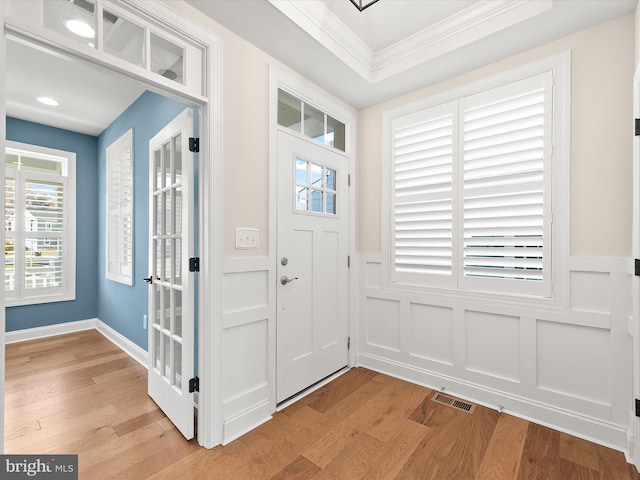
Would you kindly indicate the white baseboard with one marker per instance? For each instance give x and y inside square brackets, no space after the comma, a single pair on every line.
[50,330]
[134,351]
[246,421]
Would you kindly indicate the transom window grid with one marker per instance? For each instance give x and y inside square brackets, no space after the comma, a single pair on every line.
[315,188]
[109,29]
[39,215]
[470,198]
[303,118]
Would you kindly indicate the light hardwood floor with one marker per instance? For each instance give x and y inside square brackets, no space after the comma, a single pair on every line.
[78,393]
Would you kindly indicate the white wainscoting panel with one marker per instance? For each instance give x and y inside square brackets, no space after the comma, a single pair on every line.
[574,360]
[247,317]
[431,333]
[493,344]
[383,323]
[567,367]
[590,291]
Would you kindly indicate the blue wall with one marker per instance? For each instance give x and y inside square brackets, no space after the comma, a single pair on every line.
[85,305]
[123,306]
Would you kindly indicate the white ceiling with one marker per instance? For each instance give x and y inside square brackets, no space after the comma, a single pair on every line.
[391,48]
[90,98]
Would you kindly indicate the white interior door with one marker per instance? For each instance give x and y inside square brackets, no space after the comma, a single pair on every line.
[171,291]
[312,246]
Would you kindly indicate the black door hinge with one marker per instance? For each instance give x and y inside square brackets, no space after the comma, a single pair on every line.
[637,267]
[348,261]
[637,126]
[348,343]
[194,144]
[194,385]
[194,264]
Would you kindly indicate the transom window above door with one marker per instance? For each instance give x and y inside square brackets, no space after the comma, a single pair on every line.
[311,122]
[117,34]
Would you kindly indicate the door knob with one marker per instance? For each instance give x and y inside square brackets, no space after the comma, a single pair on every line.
[284,279]
[148,280]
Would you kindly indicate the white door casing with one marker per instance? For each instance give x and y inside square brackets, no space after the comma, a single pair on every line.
[635,296]
[171,290]
[312,271]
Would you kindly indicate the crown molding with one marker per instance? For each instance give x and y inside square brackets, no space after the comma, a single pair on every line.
[324,26]
[480,20]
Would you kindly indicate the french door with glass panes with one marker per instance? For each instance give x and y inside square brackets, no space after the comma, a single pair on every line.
[171,290]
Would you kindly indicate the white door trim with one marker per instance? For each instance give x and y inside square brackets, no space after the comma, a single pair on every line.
[210,197]
[303,90]
[634,328]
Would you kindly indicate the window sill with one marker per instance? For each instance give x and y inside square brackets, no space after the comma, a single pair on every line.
[477,297]
[35,300]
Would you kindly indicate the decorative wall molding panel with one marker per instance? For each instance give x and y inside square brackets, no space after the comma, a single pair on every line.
[246,313]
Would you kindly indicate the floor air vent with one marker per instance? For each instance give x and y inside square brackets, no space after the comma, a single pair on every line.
[454,403]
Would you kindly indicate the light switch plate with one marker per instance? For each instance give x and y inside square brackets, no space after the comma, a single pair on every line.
[246,238]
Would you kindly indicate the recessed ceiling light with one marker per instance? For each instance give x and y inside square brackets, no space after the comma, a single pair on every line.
[79,27]
[48,101]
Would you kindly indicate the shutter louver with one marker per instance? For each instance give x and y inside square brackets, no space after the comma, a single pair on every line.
[504,158]
[422,191]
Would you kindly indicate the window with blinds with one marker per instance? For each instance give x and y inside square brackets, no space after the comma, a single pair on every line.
[39,225]
[471,202]
[119,207]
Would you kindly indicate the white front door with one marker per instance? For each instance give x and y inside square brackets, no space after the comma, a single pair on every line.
[171,292]
[312,249]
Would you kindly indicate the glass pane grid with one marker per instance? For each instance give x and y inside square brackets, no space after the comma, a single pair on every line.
[43,263]
[311,122]
[315,188]
[123,38]
[166,58]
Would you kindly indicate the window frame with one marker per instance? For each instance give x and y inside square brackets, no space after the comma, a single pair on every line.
[557,182]
[67,291]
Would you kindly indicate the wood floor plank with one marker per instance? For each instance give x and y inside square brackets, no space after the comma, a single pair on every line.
[140,421]
[541,454]
[299,469]
[114,446]
[341,388]
[397,450]
[326,448]
[354,461]
[501,461]
[144,460]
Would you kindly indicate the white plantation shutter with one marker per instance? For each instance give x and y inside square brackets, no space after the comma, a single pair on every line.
[119,231]
[422,184]
[470,191]
[506,135]
[43,233]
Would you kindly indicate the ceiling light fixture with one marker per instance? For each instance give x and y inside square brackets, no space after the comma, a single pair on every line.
[362,4]
[48,101]
[79,27]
